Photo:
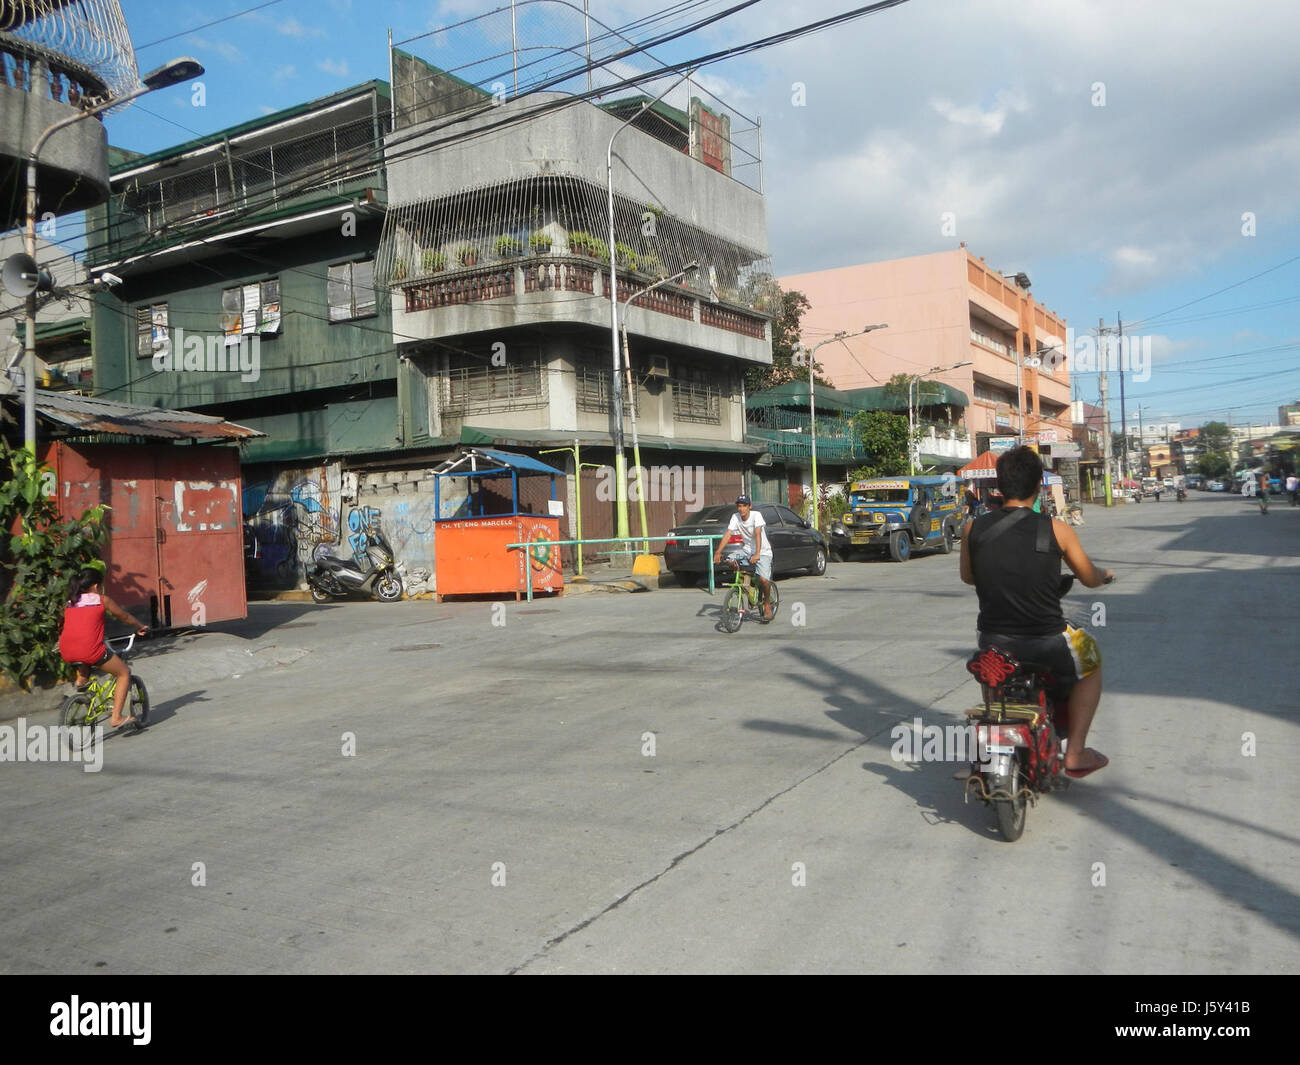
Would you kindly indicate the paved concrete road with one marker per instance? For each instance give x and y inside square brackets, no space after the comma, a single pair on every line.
[506,742]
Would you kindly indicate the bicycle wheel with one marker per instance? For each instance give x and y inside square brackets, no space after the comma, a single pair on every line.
[733,611]
[78,736]
[774,598]
[138,703]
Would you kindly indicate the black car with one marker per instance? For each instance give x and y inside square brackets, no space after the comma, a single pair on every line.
[796,545]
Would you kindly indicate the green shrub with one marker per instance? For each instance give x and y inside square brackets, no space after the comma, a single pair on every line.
[39,563]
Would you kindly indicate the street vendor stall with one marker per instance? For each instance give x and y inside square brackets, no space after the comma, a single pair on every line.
[470,553]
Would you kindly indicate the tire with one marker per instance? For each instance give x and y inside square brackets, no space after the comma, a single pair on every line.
[900,546]
[773,597]
[1010,812]
[388,589]
[946,547]
[733,614]
[319,595]
[73,715]
[137,704]
[818,568]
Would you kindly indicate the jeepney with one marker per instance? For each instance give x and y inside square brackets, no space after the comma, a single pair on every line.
[899,515]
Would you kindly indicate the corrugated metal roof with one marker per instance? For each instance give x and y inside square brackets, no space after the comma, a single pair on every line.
[89,414]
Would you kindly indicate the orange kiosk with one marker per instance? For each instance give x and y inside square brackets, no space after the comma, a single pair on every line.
[470,556]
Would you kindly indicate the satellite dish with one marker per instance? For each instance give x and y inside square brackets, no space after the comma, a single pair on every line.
[22,276]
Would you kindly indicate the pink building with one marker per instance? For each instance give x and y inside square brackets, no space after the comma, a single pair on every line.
[944,309]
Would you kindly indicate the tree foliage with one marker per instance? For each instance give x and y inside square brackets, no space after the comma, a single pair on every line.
[884,437]
[789,361]
[40,553]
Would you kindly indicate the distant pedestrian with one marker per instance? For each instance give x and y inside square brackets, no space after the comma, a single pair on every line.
[1292,487]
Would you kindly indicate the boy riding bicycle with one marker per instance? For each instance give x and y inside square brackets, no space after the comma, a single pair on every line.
[747,543]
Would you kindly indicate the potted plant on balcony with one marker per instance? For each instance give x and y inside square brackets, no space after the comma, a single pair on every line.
[399,269]
[582,243]
[650,264]
[467,254]
[509,247]
[540,242]
[433,262]
[625,256]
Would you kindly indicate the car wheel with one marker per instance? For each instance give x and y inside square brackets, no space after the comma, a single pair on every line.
[819,563]
[946,546]
[900,546]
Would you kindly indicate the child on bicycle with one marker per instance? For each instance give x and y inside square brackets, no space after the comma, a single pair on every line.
[82,641]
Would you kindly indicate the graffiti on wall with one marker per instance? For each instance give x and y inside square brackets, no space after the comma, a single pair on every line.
[288,517]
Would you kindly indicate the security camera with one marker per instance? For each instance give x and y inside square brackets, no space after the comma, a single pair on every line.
[109,279]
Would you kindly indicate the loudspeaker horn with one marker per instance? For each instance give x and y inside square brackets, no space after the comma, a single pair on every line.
[22,276]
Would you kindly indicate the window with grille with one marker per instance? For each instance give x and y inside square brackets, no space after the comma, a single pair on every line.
[481,389]
[696,401]
[351,290]
[151,334]
[594,392]
[247,310]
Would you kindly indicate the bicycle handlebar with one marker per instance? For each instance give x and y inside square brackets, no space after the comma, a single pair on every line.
[130,642]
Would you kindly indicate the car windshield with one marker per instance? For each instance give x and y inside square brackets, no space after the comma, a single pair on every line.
[719,513]
[880,496]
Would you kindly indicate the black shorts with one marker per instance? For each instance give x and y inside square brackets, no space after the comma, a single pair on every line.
[1068,656]
[95,665]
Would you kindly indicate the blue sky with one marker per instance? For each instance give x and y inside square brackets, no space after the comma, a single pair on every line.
[1107,149]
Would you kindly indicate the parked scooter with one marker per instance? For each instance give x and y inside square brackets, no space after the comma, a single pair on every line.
[1019,736]
[332,578]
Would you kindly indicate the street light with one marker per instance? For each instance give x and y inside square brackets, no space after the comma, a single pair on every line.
[176,71]
[812,411]
[911,432]
[620,463]
[627,365]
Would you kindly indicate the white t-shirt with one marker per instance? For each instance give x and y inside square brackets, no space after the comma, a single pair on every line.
[747,529]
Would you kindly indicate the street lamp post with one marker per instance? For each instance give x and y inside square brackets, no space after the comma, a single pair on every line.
[177,70]
[812,412]
[620,462]
[627,368]
[911,430]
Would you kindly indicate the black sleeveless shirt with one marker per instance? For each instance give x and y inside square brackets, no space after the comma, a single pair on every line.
[1017,584]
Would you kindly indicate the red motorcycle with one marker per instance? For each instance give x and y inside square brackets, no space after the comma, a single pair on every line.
[1018,734]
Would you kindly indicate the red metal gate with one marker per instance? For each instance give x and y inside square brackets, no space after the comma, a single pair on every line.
[176,544]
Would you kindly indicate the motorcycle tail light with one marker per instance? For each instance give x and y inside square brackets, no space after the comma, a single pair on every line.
[1006,735]
[670,543]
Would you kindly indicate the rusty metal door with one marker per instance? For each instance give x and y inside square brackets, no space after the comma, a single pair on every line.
[176,548]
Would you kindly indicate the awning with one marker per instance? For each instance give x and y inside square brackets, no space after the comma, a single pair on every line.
[924,394]
[983,468]
[488,462]
[795,394]
[476,436]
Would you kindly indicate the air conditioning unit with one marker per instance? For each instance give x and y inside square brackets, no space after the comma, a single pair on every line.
[658,366]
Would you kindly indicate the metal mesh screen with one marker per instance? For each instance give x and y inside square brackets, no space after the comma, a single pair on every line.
[89,33]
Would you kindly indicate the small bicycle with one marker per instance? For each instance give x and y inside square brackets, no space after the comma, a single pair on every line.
[743,597]
[88,706]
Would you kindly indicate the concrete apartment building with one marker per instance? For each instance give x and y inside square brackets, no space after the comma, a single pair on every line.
[495,249]
[943,309]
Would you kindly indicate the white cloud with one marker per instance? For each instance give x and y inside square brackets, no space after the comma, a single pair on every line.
[229,52]
[291,27]
[285,72]
[338,69]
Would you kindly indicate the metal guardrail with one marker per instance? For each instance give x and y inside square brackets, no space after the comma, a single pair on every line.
[611,540]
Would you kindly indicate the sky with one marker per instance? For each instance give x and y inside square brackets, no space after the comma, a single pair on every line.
[1136,160]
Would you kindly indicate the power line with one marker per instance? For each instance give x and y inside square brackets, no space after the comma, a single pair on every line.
[206,25]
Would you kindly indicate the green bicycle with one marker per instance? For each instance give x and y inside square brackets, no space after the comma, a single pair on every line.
[87,707]
[743,598]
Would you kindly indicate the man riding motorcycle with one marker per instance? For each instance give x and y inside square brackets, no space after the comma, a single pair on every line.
[1013,558]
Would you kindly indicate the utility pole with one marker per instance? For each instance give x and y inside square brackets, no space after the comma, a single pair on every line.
[1105,412]
[1123,411]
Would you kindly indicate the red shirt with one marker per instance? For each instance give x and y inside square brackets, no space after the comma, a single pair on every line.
[82,639]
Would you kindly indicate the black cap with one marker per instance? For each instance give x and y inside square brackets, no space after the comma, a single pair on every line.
[744,499]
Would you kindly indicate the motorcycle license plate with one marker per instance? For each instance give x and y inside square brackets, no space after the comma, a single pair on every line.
[697,543]
[1001,748]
